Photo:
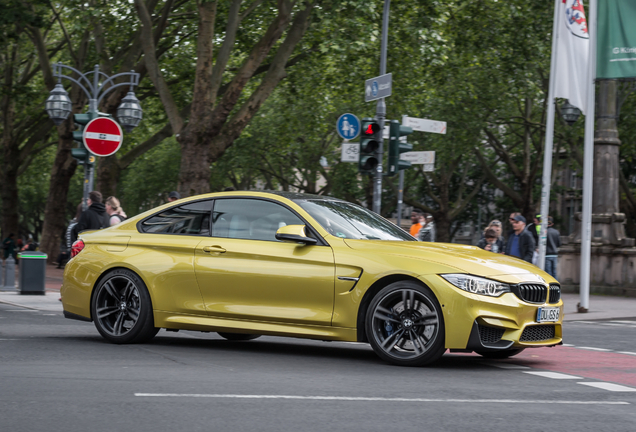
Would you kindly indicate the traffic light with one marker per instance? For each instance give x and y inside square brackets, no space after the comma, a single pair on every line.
[81,153]
[370,136]
[397,147]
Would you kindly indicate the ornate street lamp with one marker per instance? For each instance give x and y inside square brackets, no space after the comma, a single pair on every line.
[129,112]
[58,105]
[570,113]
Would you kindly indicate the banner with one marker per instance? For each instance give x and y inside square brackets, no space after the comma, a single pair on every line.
[572,50]
[616,44]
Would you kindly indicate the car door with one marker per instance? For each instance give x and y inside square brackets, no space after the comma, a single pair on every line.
[245,273]
[165,250]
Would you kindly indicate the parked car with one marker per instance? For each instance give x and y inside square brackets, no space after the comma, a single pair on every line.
[246,264]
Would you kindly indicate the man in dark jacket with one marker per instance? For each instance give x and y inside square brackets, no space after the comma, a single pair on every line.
[95,216]
[521,243]
[553,243]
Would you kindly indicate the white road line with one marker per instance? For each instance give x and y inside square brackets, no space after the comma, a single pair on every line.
[553,375]
[377,399]
[20,310]
[567,345]
[627,352]
[609,386]
[593,349]
[625,322]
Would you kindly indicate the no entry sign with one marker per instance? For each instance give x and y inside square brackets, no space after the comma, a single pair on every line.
[102,136]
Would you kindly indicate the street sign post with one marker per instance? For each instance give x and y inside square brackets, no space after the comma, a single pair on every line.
[103,136]
[425,125]
[377,88]
[348,126]
[419,157]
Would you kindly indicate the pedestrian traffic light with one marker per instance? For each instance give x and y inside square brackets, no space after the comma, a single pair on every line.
[81,153]
[370,136]
[397,147]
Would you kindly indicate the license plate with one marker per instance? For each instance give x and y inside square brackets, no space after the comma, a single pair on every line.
[548,314]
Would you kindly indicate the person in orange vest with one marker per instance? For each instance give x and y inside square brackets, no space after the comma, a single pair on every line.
[417,219]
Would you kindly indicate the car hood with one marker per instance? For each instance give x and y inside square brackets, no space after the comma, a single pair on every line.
[466,259]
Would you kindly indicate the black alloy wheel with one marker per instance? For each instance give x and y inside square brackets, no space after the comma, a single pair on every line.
[238,336]
[502,354]
[121,308]
[405,325]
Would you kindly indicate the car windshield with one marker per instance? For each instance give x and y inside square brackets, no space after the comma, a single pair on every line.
[351,221]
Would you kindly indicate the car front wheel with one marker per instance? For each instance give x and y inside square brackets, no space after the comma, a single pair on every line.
[405,325]
[121,308]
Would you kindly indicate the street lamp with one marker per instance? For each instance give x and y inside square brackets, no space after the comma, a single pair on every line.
[570,113]
[129,112]
[58,105]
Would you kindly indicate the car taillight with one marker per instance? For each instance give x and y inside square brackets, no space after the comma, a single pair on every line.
[77,247]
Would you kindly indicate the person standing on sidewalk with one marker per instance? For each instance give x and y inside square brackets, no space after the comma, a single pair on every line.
[521,243]
[8,246]
[95,216]
[553,243]
[416,220]
[114,210]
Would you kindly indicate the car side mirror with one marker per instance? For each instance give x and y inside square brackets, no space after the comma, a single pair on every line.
[294,233]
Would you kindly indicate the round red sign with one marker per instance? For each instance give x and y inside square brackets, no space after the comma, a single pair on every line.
[103,136]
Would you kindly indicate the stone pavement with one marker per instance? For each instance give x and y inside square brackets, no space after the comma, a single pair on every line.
[601,307]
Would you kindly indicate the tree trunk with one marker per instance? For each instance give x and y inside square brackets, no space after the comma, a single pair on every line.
[108,172]
[442,227]
[55,215]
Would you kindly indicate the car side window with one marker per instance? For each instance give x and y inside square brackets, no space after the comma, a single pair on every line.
[189,219]
[251,219]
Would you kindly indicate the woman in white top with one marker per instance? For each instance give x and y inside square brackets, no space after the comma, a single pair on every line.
[116,213]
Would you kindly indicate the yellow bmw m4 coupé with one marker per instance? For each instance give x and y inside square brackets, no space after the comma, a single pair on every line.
[246,264]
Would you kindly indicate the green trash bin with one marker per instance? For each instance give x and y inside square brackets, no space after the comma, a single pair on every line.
[32,273]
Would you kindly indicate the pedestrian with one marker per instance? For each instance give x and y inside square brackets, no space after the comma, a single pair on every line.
[427,233]
[30,245]
[416,221]
[114,210]
[553,243]
[173,196]
[521,243]
[8,247]
[535,228]
[492,241]
[95,216]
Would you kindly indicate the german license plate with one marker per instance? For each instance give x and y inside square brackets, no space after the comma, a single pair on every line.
[548,314]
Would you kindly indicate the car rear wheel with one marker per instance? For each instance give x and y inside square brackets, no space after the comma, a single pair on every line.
[238,336]
[405,325]
[121,308]
[503,354]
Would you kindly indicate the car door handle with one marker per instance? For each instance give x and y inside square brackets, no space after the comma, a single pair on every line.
[217,249]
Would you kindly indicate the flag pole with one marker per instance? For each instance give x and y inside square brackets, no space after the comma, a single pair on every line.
[549,140]
[588,163]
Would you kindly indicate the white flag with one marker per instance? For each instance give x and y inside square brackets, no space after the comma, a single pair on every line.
[572,62]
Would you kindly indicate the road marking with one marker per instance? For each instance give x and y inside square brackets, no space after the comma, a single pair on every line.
[593,349]
[378,399]
[625,322]
[553,375]
[627,352]
[568,345]
[20,310]
[609,386]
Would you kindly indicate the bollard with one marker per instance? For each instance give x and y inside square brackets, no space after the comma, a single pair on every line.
[9,274]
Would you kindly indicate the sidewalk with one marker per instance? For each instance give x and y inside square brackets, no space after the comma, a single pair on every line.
[601,307]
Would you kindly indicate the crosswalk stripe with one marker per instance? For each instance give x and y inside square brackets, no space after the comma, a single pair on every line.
[609,386]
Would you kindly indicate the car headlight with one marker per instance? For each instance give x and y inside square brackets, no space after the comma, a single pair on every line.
[477,285]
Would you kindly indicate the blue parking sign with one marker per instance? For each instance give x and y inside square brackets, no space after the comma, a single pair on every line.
[348,126]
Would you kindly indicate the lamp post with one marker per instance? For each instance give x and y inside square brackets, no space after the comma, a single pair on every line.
[95,87]
[570,113]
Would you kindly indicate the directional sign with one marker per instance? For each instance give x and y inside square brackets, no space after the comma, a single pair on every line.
[348,126]
[350,152]
[377,88]
[102,136]
[419,157]
[425,125]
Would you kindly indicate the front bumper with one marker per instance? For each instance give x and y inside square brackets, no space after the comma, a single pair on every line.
[480,323]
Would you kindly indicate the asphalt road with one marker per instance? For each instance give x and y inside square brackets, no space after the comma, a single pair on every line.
[60,375]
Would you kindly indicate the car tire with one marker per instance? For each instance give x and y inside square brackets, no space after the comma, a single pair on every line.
[238,336]
[121,308]
[503,354]
[405,325]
